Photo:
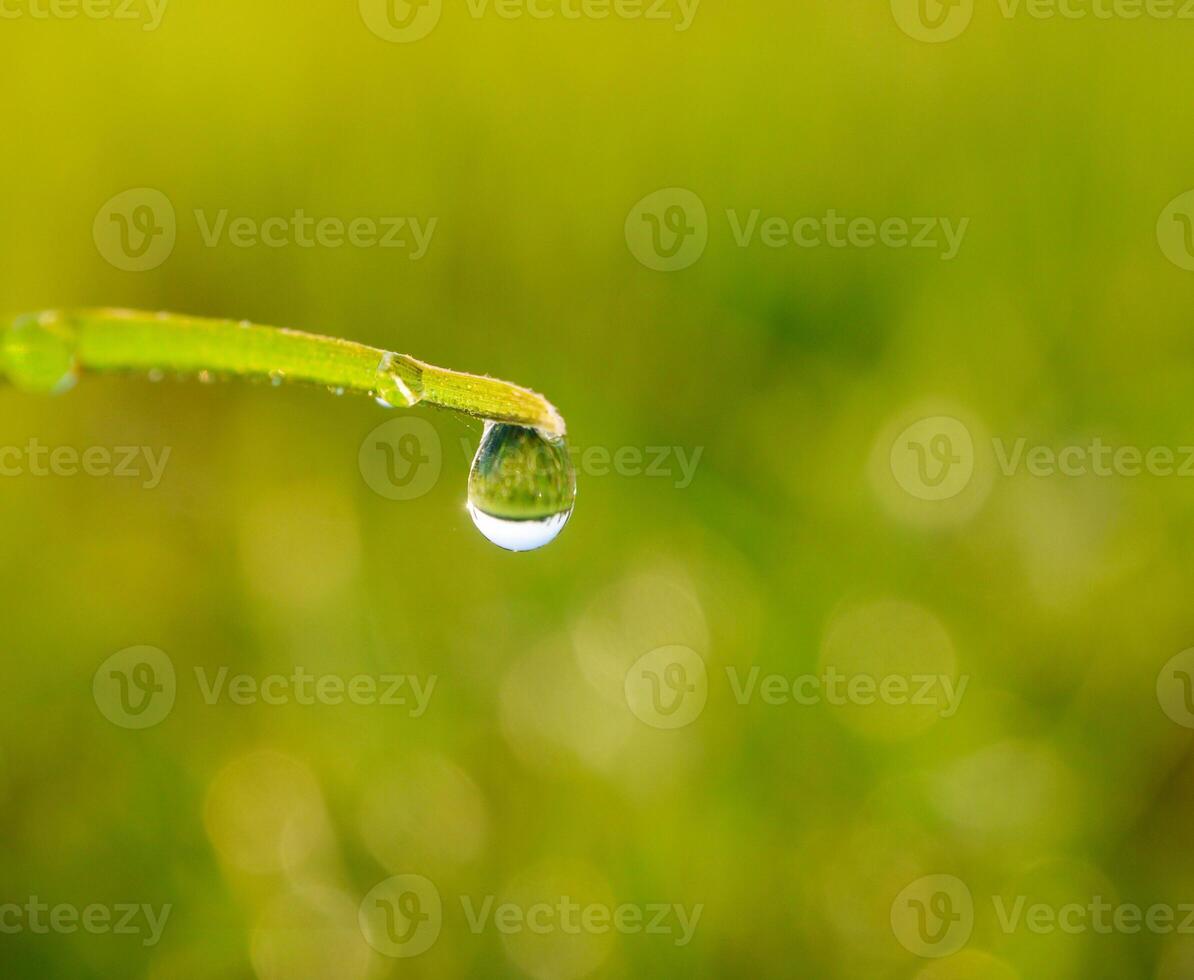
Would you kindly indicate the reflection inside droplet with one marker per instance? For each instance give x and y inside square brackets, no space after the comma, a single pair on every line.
[518,535]
[521,488]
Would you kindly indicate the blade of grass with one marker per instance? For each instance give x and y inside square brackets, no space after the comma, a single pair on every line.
[110,340]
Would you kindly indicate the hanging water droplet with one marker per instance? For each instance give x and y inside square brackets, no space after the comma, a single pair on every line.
[521,488]
[276,378]
[156,375]
[37,353]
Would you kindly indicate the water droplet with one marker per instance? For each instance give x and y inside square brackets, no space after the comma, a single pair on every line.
[521,488]
[205,377]
[37,353]
[392,388]
[276,378]
[156,375]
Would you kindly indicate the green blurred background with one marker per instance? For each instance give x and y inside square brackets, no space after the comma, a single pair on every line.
[1065,773]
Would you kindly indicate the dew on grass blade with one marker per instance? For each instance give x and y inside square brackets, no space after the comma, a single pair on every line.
[521,488]
[38,353]
[392,389]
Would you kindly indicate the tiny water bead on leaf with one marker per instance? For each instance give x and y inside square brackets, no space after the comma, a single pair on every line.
[38,353]
[521,488]
[396,386]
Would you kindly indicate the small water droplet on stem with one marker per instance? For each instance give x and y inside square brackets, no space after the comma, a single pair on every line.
[37,353]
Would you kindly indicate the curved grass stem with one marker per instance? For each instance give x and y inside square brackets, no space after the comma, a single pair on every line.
[108,340]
